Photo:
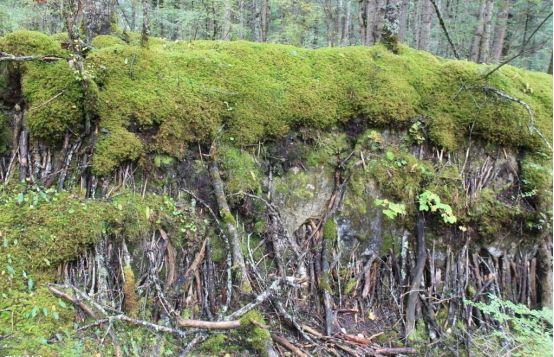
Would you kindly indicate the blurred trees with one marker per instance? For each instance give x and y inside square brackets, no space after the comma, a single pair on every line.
[482,30]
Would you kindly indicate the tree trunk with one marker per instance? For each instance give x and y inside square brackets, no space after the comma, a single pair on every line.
[500,32]
[485,40]
[99,17]
[403,20]
[345,40]
[421,258]
[389,34]
[549,70]
[425,25]
[265,20]
[145,22]
[378,21]
[478,33]
[226,29]
[362,18]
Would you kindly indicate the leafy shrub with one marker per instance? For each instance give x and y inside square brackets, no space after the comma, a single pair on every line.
[521,331]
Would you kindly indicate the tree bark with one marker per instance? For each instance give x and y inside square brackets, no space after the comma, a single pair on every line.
[362,18]
[500,32]
[345,40]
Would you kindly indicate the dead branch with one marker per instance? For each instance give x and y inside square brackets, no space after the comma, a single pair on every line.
[75,301]
[208,325]
[443,26]
[266,294]
[288,345]
[522,51]
[6,57]
[392,351]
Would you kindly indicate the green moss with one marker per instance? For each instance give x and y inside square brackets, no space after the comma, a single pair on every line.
[492,216]
[114,147]
[330,230]
[160,98]
[242,173]
[102,41]
[327,149]
[35,240]
[130,303]
[536,179]
[399,174]
[257,337]
[215,344]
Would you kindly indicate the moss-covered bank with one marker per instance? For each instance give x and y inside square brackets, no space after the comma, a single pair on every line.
[159,98]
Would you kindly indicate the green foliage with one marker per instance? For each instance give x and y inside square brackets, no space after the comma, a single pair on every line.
[529,332]
[429,201]
[390,209]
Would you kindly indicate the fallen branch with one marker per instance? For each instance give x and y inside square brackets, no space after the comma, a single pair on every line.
[288,345]
[266,294]
[241,272]
[6,57]
[391,351]
[75,301]
[208,325]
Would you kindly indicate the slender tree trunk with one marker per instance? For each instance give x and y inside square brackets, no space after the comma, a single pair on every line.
[145,22]
[345,40]
[257,21]
[425,25]
[379,18]
[416,28]
[339,26]
[226,29]
[389,34]
[403,20]
[362,18]
[478,33]
[500,31]
[265,20]
[370,11]
[487,25]
[549,70]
